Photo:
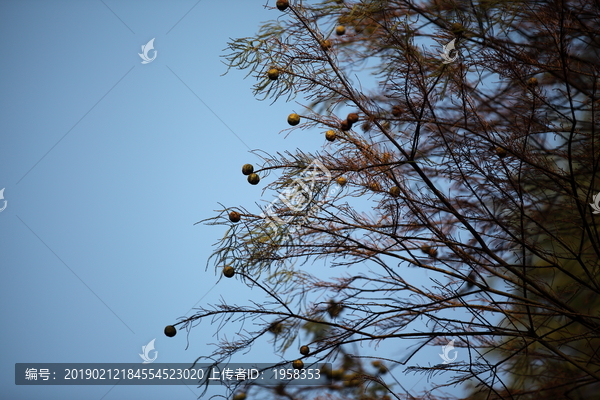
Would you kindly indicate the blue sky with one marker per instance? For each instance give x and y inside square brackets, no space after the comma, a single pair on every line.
[107,163]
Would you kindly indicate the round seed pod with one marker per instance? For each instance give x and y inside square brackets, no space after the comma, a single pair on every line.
[345,125]
[334,309]
[235,216]
[297,364]
[239,396]
[501,152]
[352,118]
[379,365]
[170,331]
[253,179]
[280,389]
[366,126]
[430,251]
[457,28]
[273,74]
[247,169]
[293,119]
[276,328]
[337,374]
[228,271]
[532,82]
[325,45]
[304,350]
[352,381]
[326,370]
[374,186]
[330,135]
[395,191]
[340,30]
[282,5]
[341,181]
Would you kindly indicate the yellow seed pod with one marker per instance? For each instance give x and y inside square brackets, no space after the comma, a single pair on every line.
[293,119]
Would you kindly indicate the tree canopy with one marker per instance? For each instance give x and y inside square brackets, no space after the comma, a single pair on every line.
[480,165]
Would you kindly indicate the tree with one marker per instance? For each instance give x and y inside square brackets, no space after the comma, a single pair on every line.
[480,166]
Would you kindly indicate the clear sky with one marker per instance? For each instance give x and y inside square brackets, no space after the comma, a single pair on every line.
[107,163]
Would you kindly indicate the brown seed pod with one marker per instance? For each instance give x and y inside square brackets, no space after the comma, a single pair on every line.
[276,328]
[396,111]
[337,374]
[280,389]
[457,28]
[366,126]
[253,179]
[352,380]
[282,5]
[430,251]
[228,271]
[170,331]
[341,181]
[532,82]
[386,157]
[293,119]
[330,135]
[234,216]
[297,364]
[352,118]
[304,350]
[326,370]
[395,191]
[273,74]
[239,396]
[374,186]
[345,125]
[325,45]
[334,309]
[501,152]
[247,169]
[340,30]
[379,365]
